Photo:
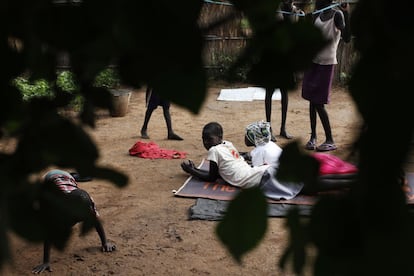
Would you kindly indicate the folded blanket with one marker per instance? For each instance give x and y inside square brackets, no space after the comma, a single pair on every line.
[333,165]
[210,209]
[151,150]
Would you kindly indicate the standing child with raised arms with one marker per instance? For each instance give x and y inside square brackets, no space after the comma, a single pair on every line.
[317,80]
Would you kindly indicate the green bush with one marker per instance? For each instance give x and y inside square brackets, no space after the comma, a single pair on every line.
[42,88]
[37,88]
[66,81]
[107,78]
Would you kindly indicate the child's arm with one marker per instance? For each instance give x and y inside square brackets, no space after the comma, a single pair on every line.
[211,175]
[106,246]
[342,23]
[45,266]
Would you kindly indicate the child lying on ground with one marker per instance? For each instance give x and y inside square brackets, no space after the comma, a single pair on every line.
[227,163]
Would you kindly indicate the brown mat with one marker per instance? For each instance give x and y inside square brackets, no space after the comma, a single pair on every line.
[220,190]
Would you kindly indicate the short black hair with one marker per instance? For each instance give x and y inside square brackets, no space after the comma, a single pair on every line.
[213,128]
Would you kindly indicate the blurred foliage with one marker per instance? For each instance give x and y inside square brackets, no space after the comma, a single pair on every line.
[37,88]
[160,43]
[220,70]
[244,223]
[66,81]
[107,78]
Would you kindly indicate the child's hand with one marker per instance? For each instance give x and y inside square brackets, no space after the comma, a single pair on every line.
[344,6]
[188,167]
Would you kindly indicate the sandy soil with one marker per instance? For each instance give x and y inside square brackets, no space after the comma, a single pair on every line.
[148,224]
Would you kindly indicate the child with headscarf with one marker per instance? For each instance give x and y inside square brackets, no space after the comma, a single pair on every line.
[258,134]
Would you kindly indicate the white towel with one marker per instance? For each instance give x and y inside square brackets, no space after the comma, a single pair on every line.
[246,94]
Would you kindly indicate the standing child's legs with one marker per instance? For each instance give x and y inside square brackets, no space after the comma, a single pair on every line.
[167,116]
[323,115]
[312,116]
[311,144]
[284,102]
[268,109]
[329,142]
[284,105]
[148,114]
[151,104]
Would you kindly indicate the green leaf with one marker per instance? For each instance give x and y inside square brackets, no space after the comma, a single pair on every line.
[297,166]
[117,178]
[23,212]
[245,222]
[297,242]
[191,95]
[55,140]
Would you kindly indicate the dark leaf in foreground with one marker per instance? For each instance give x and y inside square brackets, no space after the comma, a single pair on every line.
[297,243]
[296,166]
[245,222]
[115,177]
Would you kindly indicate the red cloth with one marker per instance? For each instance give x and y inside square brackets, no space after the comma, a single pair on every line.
[151,150]
[331,164]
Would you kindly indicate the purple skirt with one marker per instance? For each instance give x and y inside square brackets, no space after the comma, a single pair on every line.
[317,83]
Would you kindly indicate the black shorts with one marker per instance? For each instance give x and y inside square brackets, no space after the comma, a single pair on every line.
[154,100]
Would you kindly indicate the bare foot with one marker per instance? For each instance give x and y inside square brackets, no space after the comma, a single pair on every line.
[174,136]
[272,137]
[144,134]
[286,135]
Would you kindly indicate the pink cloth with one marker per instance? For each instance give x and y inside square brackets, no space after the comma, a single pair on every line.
[331,164]
[151,150]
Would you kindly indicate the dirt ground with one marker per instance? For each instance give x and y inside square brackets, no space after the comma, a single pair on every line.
[147,223]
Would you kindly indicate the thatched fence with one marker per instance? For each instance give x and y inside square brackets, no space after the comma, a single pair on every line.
[224,43]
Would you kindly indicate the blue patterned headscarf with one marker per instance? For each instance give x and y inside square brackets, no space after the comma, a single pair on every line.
[258,133]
